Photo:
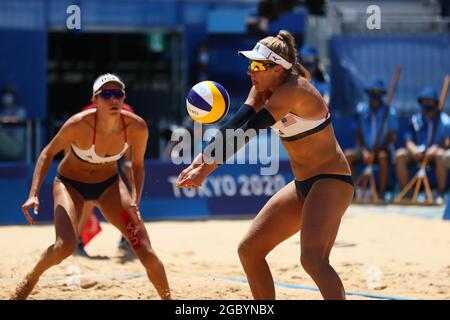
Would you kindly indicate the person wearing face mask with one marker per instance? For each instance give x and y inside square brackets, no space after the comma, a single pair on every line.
[319,78]
[369,121]
[418,144]
[12,137]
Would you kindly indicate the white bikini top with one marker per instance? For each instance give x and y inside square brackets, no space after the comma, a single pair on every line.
[90,156]
[292,127]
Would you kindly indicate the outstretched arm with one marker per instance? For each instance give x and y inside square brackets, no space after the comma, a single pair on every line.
[58,144]
[225,145]
[254,103]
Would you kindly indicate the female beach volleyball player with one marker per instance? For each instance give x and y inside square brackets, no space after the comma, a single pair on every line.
[283,98]
[86,231]
[88,172]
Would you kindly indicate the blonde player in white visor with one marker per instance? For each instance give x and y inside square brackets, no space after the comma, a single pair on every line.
[283,98]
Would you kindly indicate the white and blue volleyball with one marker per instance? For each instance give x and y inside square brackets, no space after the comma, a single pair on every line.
[207,102]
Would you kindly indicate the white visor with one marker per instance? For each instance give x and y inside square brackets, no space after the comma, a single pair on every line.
[105,78]
[261,52]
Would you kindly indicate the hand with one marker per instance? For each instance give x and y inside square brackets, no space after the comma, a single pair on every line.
[135,212]
[32,202]
[193,176]
[259,99]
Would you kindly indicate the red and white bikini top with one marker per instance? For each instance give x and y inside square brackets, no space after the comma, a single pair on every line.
[90,156]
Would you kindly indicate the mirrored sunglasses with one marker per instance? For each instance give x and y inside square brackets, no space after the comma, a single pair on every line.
[108,93]
[258,66]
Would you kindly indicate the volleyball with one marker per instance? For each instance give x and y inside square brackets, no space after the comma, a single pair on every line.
[207,102]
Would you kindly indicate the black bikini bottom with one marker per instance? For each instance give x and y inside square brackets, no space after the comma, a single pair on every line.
[305,185]
[89,191]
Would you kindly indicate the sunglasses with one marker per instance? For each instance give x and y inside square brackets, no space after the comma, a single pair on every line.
[106,94]
[258,66]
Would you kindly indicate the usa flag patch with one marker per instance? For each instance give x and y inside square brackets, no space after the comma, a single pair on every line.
[288,120]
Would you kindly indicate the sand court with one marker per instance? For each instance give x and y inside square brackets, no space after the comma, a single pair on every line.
[380,253]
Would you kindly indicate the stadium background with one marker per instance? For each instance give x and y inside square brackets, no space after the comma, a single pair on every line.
[154,46]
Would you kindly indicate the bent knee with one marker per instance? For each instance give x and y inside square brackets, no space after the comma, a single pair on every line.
[247,249]
[311,261]
[440,153]
[243,249]
[383,155]
[401,155]
[63,249]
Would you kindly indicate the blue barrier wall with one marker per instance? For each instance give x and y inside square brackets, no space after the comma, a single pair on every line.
[23,66]
[232,190]
[14,188]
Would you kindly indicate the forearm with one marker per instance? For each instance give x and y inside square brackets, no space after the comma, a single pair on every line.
[40,171]
[225,146]
[244,113]
[207,164]
[138,185]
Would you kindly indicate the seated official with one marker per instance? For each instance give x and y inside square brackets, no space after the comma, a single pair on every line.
[369,118]
[420,136]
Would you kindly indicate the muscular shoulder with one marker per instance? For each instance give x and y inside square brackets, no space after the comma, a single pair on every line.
[80,122]
[288,93]
[301,98]
[297,89]
[136,126]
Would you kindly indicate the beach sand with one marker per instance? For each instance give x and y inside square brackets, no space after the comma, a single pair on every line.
[388,255]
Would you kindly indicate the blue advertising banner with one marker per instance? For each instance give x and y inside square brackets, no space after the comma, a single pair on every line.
[233,190]
[230,190]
